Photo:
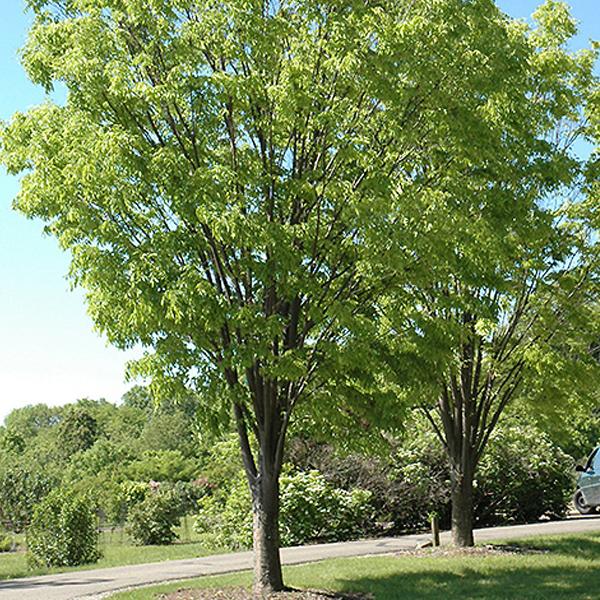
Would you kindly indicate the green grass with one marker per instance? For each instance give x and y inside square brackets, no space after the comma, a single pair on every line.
[117,550]
[568,571]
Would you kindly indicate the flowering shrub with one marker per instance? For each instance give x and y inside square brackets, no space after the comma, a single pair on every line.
[152,521]
[311,509]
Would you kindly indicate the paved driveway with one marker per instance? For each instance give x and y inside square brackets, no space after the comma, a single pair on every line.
[95,583]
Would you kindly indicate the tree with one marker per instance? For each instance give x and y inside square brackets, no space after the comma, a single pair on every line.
[214,172]
[227,177]
[77,431]
[138,397]
[509,305]
[29,421]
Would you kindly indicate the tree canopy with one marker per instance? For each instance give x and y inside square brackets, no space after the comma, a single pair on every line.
[509,304]
[238,182]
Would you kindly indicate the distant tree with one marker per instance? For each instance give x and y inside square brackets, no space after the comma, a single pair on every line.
[138,397]
[77,431]
[141,397]
[29,421]
[169,431]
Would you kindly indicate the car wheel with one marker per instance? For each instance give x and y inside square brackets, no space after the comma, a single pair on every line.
[580,504]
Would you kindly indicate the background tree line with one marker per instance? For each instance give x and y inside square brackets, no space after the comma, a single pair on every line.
[144,466]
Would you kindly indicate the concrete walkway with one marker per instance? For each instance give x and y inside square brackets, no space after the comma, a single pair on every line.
[95,583]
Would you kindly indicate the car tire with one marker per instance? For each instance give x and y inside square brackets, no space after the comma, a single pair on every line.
[581,506]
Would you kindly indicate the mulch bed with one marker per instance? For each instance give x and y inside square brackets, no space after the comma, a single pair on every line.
[487,550]
[244,594]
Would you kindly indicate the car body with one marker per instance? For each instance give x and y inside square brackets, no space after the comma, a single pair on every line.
[587,494]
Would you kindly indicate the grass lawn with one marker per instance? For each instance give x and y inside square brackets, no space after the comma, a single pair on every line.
[568,571]
[117,549]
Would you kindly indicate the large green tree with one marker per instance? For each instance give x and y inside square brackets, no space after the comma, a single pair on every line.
[509,305]
[226,175]
[215,171]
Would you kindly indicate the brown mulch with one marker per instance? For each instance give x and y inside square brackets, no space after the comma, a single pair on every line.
[244,594]
[487,550]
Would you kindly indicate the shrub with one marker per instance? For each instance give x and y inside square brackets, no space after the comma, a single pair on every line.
[406,485]
[63,531]
[152,521]
[21,488]
[311,509]
[225,519]
[6,542]
[522,477]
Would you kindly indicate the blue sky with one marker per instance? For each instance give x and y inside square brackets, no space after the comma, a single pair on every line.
[49,351]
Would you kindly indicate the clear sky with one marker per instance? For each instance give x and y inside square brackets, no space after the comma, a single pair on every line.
[49,351]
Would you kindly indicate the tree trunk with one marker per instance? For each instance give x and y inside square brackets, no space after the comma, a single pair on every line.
[267,563]
[462,507]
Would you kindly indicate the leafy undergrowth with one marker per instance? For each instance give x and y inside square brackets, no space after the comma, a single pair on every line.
[550,568]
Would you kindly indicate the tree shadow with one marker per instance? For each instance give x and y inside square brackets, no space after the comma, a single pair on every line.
[567,571]
[587,547]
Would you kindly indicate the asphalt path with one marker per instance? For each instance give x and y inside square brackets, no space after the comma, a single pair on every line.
[98,583]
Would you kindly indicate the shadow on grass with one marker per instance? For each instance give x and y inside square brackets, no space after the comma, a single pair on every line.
[530,585]
[587,547]
[568,571]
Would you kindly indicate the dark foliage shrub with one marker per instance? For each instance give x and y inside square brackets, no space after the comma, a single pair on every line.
[522,477]
[405,487]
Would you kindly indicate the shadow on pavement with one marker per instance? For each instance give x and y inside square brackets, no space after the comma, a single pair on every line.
[16,584]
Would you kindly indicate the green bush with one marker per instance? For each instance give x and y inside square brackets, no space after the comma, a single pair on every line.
[314,510]
[224,519]
[6,542]
[311,509]
[63,531]
[152,521]
[21,488]
[522,477]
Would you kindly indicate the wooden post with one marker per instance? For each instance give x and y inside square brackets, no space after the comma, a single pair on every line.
[435,531]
